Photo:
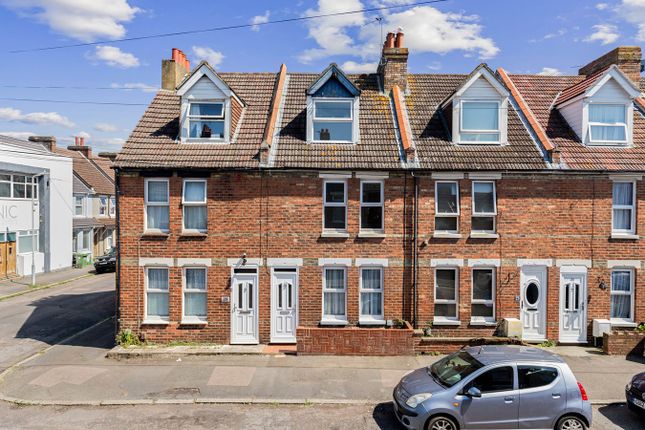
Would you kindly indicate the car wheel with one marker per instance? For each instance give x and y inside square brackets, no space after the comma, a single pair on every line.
[571,423]
[441,423]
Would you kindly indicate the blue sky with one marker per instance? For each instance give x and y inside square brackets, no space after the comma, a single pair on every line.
[523,36]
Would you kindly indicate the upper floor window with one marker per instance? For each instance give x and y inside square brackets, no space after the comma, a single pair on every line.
[623,208]
[79,205]
[446,207]
[18,187]
[157,207]
[480,122]
[607,123]
[112,206]
[335,206]
[103,205]
[372,206]
[333,120]
[194,204]
[206,120]
[484,207]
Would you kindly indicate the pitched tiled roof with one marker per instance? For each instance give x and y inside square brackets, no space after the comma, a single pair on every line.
[579,87]
[152,143]
[434,147]
[540,93]
[105,165]
[88,172]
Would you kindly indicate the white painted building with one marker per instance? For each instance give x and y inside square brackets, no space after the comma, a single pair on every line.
[33,177]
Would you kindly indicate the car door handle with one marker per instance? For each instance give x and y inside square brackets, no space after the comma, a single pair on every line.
[508,399]
[556,395]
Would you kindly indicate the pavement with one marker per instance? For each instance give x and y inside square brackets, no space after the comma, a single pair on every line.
[14,286]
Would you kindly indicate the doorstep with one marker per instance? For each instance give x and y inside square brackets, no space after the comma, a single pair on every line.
[160,351]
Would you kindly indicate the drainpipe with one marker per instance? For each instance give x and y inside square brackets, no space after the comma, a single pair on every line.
[117,275]
[415,255]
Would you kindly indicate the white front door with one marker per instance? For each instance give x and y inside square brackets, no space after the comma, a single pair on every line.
[284,305]
[244,309]
[533,303]
[573,315]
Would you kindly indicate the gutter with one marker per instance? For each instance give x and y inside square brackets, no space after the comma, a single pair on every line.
[415,253]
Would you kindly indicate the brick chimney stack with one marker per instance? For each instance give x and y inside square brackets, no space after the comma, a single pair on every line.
[48,142]
[79,145]
[627,58]
[174,70]
[393,66]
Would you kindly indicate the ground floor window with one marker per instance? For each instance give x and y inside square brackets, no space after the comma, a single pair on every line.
[622,295]
[28,241]
[194,294]
[445,294]
[483,295]
[82,240]
[157,293]
[334,294]
[371,294]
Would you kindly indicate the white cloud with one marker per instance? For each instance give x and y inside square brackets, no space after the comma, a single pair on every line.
[435,65]
[354,67]
[114,57]
[213,57]
[260,19]
[51,118]
[84,134]
[604,33]
[633,11]
[79,19]
[24,135]
[426,30]
[602,6]
[550,71]
[105,127]
[136,86]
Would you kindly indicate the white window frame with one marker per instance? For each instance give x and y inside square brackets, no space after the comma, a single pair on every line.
[476,214]
[334,204]
[632,284]
[380,204]
[82,205]
[193,319]
[112,206]
[463,130]
[80,238]
[438,214]
[103,208]
[155,319]
[27,233]
[442,319]
[350,101]
[221,117]
[631,208]
[603,124]
[333,319]
[30,182]
[371,319]
[185,204]
[147,203]
[473,301]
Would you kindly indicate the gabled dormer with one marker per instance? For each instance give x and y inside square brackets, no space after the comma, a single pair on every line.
[477,111]
[333,108]
[210,109]
[600,108]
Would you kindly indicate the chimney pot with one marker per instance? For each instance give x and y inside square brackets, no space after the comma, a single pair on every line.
[174,70]
[175,54]
[398,43]
[389,40]
[81,141]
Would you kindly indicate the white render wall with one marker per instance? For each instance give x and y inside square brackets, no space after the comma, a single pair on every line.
[59,211]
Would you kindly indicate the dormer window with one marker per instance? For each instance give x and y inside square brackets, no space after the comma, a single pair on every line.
[480,121]
[206,120]
[608,123]
[333,120]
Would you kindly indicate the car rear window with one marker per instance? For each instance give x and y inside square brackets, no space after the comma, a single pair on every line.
[536,376]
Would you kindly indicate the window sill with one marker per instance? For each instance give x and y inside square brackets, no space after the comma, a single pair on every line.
[446,322]
[371,322]
[446,235]
[155,322]
[155,233]
[476,235]
[483,323]
[371,234]
[190,233]
[625,236]
[623,324]
[199,140]
[193,322]
[335,234]
[333,322]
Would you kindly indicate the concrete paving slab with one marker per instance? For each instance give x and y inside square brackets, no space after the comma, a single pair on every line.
[231,376]
[75,375]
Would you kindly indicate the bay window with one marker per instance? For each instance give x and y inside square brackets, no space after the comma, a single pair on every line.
[194,205]
[372,206]
[624,208]
[334,295]
[446,207]
[607,123]
[445,294]
[333,120]
[484,207]
[483,295]
[157,285]
[622,296]
[194,309]
[335,206]
[480,122]
[157,205]
[206,120]
[371,295]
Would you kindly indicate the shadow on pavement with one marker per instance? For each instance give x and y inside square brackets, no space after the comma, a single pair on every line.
[384,417]
[58,317]
[622,417]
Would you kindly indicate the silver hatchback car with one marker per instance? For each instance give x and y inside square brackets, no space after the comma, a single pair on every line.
[493,387]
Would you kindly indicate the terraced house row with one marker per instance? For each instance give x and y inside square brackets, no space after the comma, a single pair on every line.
[324,208]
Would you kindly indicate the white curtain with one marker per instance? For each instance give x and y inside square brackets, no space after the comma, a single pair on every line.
[195,279]
[623,196]
[157,300]
[334,301]
[158,217]
[195,192]
[195,302]
[371,301]
[607,114]
[621,304]
[195,217]
[158,191]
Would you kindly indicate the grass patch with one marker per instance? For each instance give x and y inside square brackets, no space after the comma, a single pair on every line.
[546,344]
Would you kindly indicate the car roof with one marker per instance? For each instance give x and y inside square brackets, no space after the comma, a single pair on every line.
[491,354]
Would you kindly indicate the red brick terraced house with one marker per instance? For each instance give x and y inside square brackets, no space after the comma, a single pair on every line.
[282,207]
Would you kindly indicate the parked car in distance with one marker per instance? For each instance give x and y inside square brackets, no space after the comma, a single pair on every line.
[635,393]
[107,262]
[493,387]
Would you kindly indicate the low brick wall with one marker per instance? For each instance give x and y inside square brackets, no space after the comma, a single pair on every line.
[355,341]
[624,342]
[447,345]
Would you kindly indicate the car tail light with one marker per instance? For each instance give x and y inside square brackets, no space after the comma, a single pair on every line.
[583,393]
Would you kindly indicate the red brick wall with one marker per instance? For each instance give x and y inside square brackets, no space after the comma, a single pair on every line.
[273,215]
[355,341]
[624,342]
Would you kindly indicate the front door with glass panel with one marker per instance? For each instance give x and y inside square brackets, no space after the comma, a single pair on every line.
[533,303]
[573,319]
[244,309]
[284,305]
